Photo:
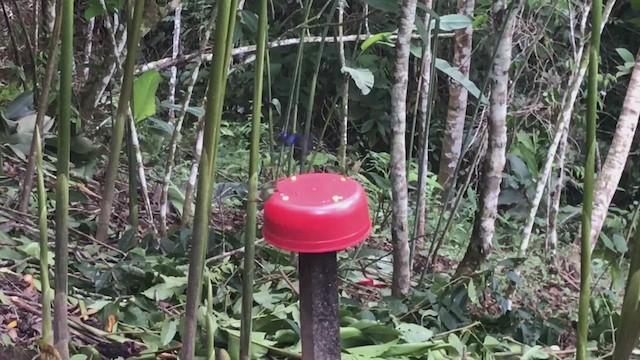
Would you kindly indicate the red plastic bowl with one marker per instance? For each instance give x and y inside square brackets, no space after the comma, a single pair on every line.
[316,213]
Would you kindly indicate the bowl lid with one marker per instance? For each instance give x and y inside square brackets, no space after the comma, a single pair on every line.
[316,213]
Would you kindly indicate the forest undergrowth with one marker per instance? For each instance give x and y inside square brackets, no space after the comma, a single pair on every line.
[128,292]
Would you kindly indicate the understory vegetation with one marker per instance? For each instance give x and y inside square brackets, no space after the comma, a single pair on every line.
[180,117]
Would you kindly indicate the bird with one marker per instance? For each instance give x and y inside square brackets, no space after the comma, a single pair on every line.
[301,143]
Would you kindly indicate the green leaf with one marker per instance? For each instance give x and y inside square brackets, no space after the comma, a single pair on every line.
[78,357]
[347,333]
[417,350]
[373,39]
[421,29]
[144,95]
[250,20]
[472,293]
[455,342]
[276,103]
[525,139]
[28,123]
[33,250]
[454,22]
[620,243]
[321,158]
[114,5]
[371,351]
[170,287]
[455,74]
[169,329]
[535,353]
[260,345]
[94,9]
[152,341]
[362,77]
[384,5]
[193,110]
[607,241]
[7,253]
[414,333]
[626,55]
[489,341]
[21,106]
[160,127]
[99,305]
[176,197]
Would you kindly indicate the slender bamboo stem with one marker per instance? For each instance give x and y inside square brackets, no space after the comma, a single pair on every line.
[61,327]
[115,146]
[587,206]
[213,112]
[47,332]
[252,205]
[42,102]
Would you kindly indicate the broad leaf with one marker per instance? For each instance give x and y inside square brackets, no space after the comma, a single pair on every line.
[250,20]
[93,9]
[193,110]
[535,352]
[455,74]
[454,22]
[362,77]
[417,349]
[376,38]
[626,55]
[455,342]
[472,293]
[21,106]
[159,127]
[28,123]
[171,286]
[414,333]
[169,330]
[371,351]
[144,95]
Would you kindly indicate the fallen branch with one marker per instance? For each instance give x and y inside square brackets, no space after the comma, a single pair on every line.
[244,50]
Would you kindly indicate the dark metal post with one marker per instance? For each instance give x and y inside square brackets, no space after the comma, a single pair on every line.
[320,324]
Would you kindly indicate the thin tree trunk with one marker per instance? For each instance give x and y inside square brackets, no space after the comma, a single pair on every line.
[342,156]
[174,55]
[423,142]
[458,94]
[552,222]
[401,282]
[115,146]
[484,225]
[48,17]
[25,195]
[189,193]
[96,88]
[563,123]
[135,143]
[609,175]
[175,139]
[87,48]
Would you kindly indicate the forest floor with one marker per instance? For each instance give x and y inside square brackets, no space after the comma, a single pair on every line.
[20,314]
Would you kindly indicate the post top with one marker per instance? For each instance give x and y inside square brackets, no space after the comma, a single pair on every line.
[316,213]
